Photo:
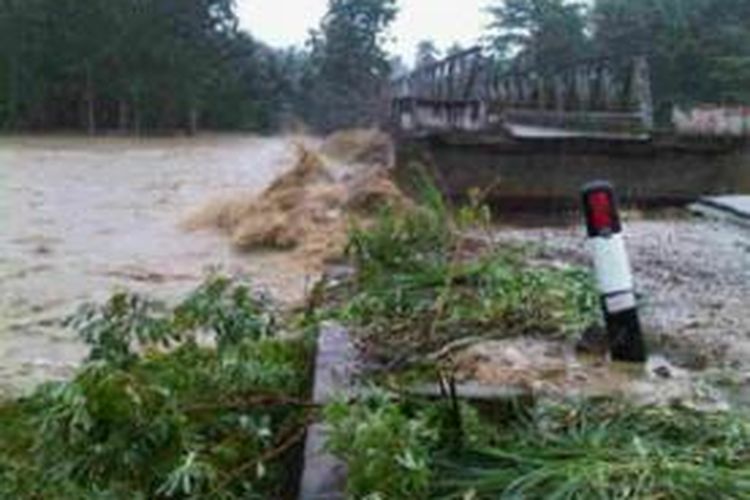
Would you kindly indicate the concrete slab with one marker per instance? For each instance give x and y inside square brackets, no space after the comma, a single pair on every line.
[730,208]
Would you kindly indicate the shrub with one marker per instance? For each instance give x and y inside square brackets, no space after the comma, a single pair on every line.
[388,451]
[196,401]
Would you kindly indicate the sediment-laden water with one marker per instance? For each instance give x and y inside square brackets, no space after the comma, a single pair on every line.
[80,218]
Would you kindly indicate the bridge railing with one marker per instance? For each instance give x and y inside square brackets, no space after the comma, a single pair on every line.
[466,92]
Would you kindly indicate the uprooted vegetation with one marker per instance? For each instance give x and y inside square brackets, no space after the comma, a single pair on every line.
[202,400]
[424,278]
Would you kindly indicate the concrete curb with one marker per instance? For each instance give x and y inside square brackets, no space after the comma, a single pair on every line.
[336,364]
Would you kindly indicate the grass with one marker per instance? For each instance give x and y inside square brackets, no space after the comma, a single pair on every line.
[594,450]
[421,283]
[197,401]
[608,450]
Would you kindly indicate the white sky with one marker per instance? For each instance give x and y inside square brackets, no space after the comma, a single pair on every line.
[287,22]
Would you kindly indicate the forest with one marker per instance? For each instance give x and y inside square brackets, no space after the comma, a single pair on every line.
[140,66]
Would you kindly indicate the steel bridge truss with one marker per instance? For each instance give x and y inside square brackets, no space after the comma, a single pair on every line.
[602,97]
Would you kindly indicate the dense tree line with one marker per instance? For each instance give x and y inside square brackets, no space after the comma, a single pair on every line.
[699,49]
[143,65]
[126,64]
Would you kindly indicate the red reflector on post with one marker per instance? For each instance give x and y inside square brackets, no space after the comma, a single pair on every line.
[601,210]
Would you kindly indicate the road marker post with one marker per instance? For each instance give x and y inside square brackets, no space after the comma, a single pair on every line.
[613,275]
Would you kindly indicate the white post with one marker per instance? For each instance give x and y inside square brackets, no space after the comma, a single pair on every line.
[613,275]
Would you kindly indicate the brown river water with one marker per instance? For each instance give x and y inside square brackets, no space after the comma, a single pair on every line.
[81,218]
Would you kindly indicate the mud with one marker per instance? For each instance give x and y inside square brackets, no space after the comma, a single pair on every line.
[80,218]
[547,368]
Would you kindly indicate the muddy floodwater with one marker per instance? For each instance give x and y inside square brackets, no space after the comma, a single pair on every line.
[81,218]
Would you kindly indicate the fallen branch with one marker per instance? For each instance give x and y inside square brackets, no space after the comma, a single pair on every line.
[268,400]
[285,445]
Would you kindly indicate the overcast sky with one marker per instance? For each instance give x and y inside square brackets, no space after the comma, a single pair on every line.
[287,22]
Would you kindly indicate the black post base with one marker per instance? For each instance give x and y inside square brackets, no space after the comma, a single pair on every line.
[625,337]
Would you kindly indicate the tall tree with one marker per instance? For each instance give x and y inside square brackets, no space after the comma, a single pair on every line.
[699,49]
[454,49]
[349,65]
[132,64]
[542,33]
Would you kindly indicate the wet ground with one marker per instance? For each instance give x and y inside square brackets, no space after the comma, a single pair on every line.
[80,218]
[693,277]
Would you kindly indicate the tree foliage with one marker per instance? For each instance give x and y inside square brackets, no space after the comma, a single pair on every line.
[538,32]
[699,49]
[201,400]
[144,65]
[427,53]
[134,65]
[349,67]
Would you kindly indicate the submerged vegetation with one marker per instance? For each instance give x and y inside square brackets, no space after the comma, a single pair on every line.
[202,400]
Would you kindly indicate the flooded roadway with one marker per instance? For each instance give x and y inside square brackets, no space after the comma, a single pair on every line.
[80,218]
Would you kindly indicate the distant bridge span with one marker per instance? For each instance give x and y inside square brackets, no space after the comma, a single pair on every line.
[599,98]
[535,136]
